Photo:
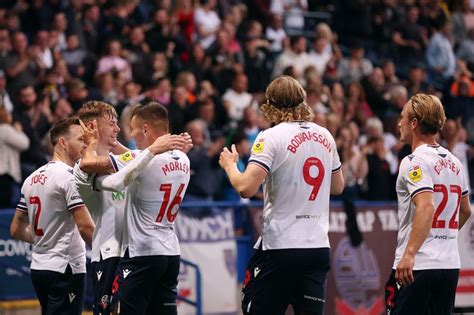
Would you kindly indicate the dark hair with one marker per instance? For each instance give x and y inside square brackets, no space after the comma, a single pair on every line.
[152,113]
[61,128]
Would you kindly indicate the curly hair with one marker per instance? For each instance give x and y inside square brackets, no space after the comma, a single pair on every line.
[286,101]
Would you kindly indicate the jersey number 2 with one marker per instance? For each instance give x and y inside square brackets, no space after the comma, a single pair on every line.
[36,201]
[453,223]
[313,181]
[168,209]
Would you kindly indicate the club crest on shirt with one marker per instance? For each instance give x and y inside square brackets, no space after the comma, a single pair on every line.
[258,146]
[415,174]
[127,156]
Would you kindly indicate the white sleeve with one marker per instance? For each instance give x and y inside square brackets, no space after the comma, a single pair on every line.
[121,179]
[120,161]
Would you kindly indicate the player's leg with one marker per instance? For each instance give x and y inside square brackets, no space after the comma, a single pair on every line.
[268,284]
[67,293]
[134,283]
[409,299]
[309,296]
[444,291]
[165,291]
[104,273]
[42,280]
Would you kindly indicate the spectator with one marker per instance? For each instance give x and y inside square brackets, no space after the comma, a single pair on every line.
[440,55]
[294,11]
[45,54]
[452,140]
[236,99]
[295,56]
[410,39]
[207,23]
[137,52]
[203,157]
[75,56]
[379,179]
[354,163]
[275,34]
[463,21]
[320,56]
[12,142]
[5,100]
[34,118]
[355,67]
[112,61]
[23,66]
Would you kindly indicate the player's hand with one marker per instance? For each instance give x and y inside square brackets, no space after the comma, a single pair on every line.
[90,134]
[228,158]
[404,271]
[166,143]
[188,145]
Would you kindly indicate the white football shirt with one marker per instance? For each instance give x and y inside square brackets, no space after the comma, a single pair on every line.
[431,168]
[299,158]
[48,195]
[107,211]
[152,203]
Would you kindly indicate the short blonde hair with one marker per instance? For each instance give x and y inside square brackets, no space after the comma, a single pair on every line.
[286,101]
[429,112]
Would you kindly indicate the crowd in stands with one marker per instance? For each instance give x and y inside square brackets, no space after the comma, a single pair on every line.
[209,63]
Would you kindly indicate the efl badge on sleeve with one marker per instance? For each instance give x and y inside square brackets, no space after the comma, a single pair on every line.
[415,174]
[258,146]
[127,156]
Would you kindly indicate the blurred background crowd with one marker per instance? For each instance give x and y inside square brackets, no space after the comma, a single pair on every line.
[209,62]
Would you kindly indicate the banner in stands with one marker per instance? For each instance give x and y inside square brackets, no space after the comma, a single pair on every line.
[208,242]
[15,260]
[358,274]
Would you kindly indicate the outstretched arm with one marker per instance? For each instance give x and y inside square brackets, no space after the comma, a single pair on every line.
[121,179]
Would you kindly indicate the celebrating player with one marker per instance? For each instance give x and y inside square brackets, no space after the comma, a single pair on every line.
[298,163]
[52,216]
[148,270]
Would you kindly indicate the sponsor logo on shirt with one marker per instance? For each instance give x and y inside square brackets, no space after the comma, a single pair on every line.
[258,146]
[119,195]
[415,174]
[127,156]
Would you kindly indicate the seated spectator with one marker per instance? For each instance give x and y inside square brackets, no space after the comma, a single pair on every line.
[12,142]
